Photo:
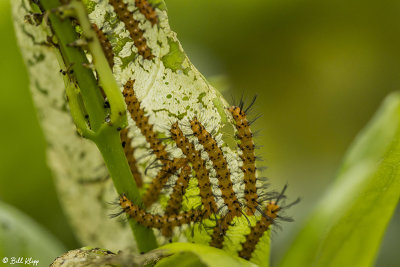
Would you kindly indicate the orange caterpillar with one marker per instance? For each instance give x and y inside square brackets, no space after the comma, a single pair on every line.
[175,200]
[269,215]
[257,231]
[142,122]
[199,166]
[105,45]
[248,157]
[132,26]
[147,10]
[217,238]
[161,179]
[129,153]
[220,166]
[166,223]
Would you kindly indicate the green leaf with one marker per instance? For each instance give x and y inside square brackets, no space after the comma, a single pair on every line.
[184,258]
[209,256]
[20,236]
[347,227]
[169,87]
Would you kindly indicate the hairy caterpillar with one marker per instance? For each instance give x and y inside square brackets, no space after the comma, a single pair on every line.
[176,197]
[166,223]
[219,232]
[161,179]
[257,231]
[129,153]
[175,200]
[268,217]
[220,166]
[147,10]
[199,165]
[142,122]
[248,157]
[132,26]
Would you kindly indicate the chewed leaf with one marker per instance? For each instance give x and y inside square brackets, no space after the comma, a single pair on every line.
[178,125]
[348,225]
[209,256]
[20,236]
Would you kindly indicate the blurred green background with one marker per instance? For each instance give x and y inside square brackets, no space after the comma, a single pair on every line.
[320,70]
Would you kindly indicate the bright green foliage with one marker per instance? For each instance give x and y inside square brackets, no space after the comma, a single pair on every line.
[184,258]
[347,227]
[210,256]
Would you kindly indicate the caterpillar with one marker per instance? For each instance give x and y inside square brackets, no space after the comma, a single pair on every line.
[248,157]
[132,25]
[199,166]
[161,179]
[166,223]
[268,217]
[257,231]
[220,165]
[175,200]
[219,232]
[193,156]
[147,10]
[142,122]
[105,45]
[129,153]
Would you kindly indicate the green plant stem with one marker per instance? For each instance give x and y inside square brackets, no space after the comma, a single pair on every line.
[75,59]
[106,136]
[109,144]
[110,86]
[75,102]
[76,110]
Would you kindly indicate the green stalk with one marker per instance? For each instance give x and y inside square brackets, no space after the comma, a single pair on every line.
[109,144]
[75,103]
[105,135]
[110,86]
[75,59]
